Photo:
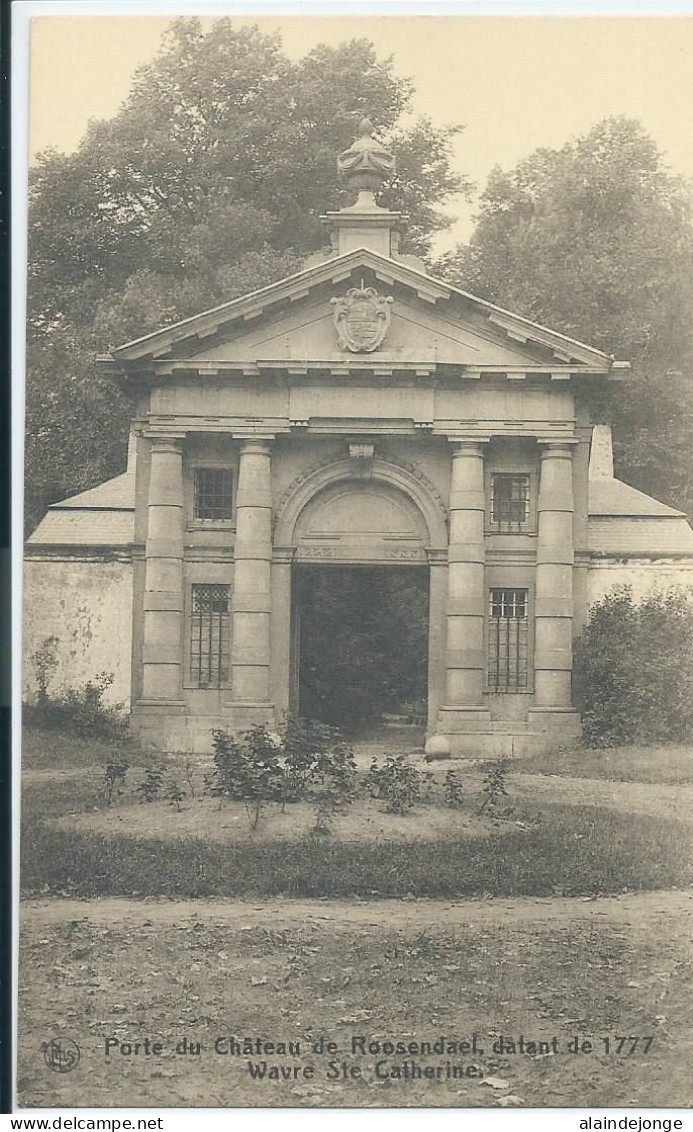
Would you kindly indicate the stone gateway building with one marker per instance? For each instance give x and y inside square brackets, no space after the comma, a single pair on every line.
[357,413]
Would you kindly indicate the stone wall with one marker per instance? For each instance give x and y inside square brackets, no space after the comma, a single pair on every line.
[642,575]
[87,605]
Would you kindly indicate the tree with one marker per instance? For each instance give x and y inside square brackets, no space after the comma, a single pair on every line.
[595,239]
[209,182]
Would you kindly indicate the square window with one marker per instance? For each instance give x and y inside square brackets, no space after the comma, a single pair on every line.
[508,640]
[213,493]
[509,501]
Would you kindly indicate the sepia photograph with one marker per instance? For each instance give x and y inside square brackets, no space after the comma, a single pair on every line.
[357,606]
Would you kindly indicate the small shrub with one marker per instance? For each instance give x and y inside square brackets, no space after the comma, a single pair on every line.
[248,770]
[452,790]
[114,778]
[303,741]
[332,783]
[45,662]
[308,761]
[396,783]
[428,783]
[80,711]
[190,777]
[150,787]
[495,783]
[175,793]
[225,780]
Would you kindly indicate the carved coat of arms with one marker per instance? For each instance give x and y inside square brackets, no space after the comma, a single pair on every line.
[361,317]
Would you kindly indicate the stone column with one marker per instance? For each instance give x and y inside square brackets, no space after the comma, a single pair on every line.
[163,584]
[553,612]
[465,662]
[251,604]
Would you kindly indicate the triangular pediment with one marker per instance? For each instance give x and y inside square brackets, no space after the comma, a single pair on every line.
[291,325]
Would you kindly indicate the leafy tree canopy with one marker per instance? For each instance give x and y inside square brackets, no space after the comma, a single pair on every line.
[595,239]
[209,182]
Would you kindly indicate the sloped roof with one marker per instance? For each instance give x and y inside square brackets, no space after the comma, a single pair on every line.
[118,493]
[87,528]
[614,497]
[103,516]
[622,535]
[337,269]
[623,521]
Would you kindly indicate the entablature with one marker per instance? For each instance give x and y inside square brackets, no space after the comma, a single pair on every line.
[164,425]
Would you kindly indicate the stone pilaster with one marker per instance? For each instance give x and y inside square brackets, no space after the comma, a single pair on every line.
[553,613]
[438,586]
[252,590]
[464,658]
[163,584]
[281,659]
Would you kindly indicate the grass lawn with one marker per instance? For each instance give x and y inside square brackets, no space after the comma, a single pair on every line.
[404,971]
[74,844]
[53,749]
[624,764]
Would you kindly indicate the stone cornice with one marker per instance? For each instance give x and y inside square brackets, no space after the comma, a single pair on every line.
[378,365]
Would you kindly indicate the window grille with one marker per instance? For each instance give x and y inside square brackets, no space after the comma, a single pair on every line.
[209,636]
[508,640]
[213,493]
[509,502]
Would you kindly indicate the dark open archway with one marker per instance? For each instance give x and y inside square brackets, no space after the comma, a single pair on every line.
[361,635]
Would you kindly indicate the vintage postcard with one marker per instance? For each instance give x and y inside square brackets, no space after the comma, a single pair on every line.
[357,763]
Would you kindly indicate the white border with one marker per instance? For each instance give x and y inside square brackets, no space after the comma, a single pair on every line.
[22,13]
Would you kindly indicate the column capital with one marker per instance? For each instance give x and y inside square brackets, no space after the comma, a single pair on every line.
[170,442]
[254,442]
[469,445]
[557,449]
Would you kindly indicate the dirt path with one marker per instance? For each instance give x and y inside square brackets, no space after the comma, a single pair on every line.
[286,913]
[673,801]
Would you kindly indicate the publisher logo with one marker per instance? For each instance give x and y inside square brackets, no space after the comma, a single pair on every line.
[61,1054]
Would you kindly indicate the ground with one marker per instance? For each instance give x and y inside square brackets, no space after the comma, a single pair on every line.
[407,971]
[570,972]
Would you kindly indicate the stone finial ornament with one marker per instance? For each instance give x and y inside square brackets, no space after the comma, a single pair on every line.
[366,165]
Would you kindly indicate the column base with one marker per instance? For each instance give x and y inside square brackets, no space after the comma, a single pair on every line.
[170,728]
[160,725]
[244,714]
[158,707]
[470,733]
[561,722]
[460,719]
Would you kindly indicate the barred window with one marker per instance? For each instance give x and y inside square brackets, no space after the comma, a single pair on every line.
[209,636]
[213,493]
[509,501]
[507,640]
